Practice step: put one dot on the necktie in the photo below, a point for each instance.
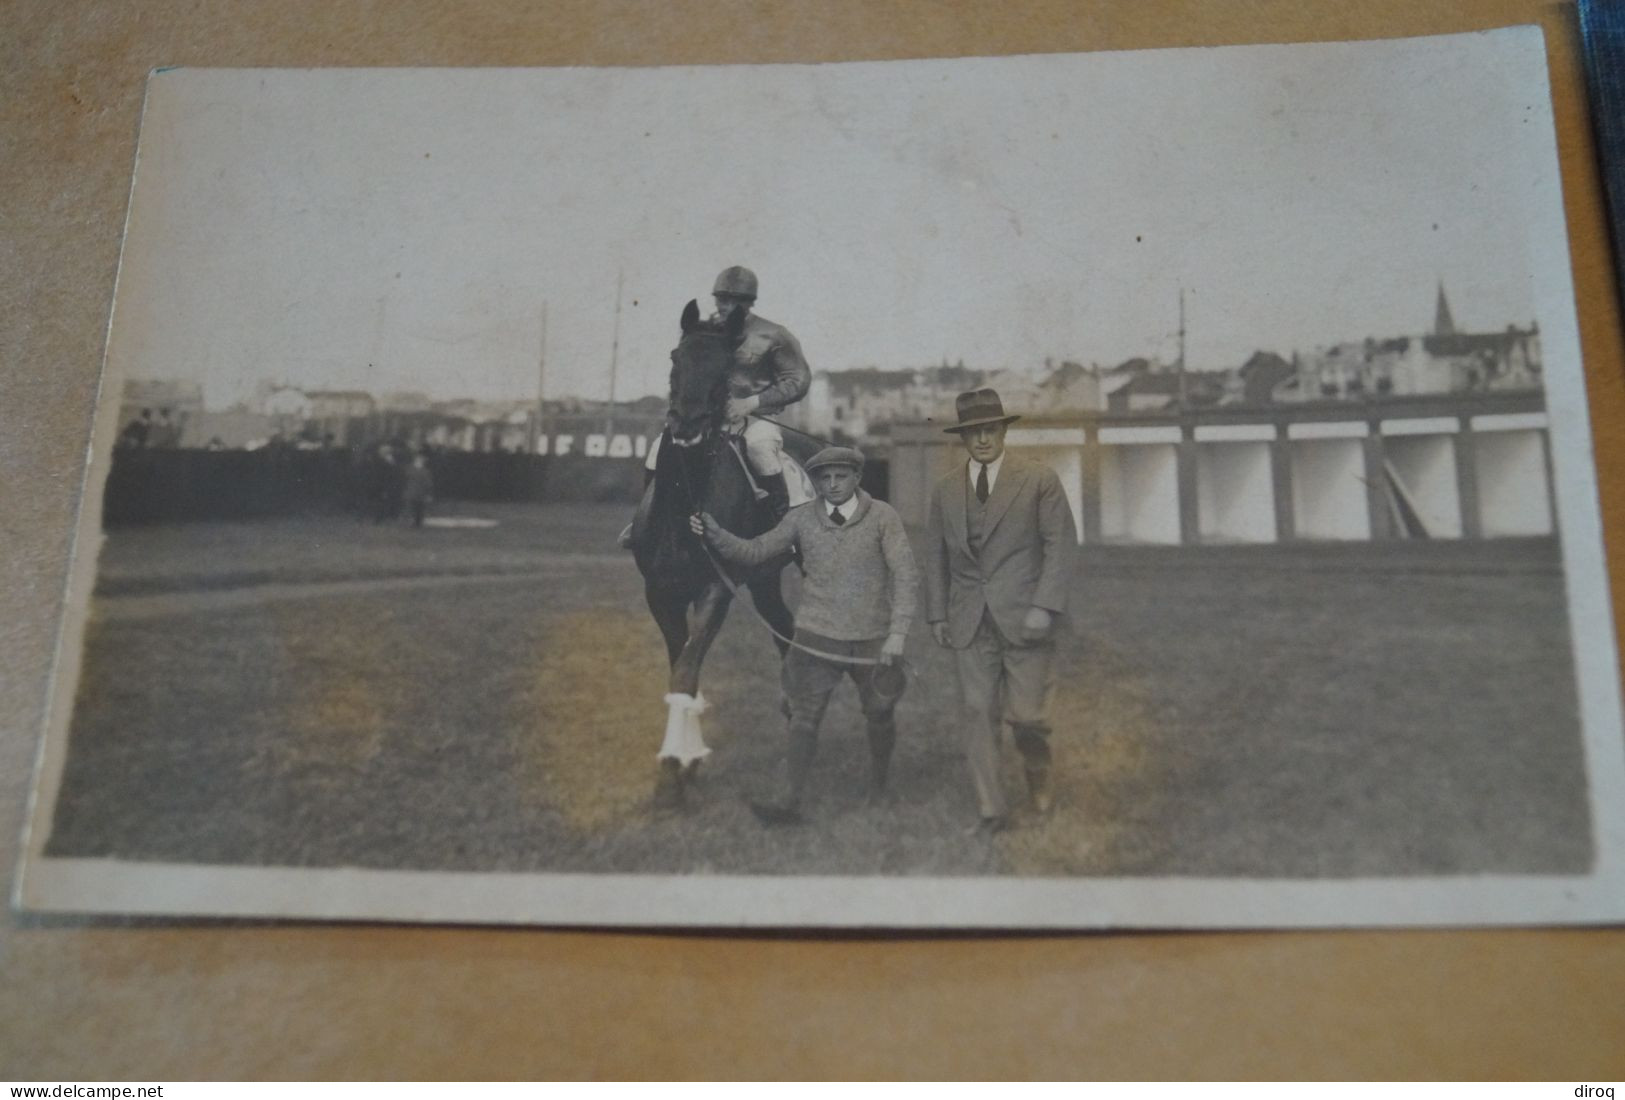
(836, 518)
(981, 484)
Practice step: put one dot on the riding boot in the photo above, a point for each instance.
(786, 809)
(778, 504)
(882, 740)
(778, 494)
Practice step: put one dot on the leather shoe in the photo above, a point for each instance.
(1038, 786)
(989, 826)
(770, 813)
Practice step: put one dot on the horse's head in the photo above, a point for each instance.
(699, 373)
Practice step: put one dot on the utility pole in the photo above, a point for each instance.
(541, 386)
(1180, 364)
(614, 356)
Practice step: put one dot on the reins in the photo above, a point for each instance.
(798, 431)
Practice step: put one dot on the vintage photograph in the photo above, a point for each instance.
(1143, 489)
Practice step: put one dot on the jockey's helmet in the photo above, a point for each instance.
(736, 280)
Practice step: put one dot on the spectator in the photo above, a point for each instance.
(388, 485)
(419, 488)
(166, 433)
(138, 432)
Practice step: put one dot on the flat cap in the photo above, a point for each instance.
(836, 456)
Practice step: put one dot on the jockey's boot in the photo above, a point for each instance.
(778, 494)
(778, 505)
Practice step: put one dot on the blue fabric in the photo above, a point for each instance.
(1602, 27)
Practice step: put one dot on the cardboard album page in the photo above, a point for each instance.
(1116, 490)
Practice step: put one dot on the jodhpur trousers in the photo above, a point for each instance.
(808, 682)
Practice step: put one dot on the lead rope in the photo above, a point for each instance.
(733, 588)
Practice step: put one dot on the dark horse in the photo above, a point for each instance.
(700, 468)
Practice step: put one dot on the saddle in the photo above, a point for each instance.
(796, 482)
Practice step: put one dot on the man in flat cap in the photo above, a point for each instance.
(857, 602)
(1001, 555)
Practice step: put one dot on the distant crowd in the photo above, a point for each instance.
(147, 430)
(382, 482)
(395, 483)
(165, 431)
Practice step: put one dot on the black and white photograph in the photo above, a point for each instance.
(1146, 489)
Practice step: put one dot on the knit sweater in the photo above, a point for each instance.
(861, 576)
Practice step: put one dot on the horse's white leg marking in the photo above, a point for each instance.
(684, 741)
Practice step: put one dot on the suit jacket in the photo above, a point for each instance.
(1028, 555)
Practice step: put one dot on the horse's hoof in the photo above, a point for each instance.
(777, 813)
(669, 787)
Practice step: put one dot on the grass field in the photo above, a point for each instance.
(326, 693)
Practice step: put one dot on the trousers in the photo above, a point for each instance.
(808, 682)
(1002, 681)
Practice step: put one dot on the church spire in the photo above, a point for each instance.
(1443, 323)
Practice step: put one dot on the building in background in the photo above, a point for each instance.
(861, 404)
(1444, 360)
(855, 405)
(1148, 385)
(332, 412)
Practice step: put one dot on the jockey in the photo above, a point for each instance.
(769, 374)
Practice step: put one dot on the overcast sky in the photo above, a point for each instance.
(401, 230)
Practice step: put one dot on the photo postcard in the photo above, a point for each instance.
(1142, 490)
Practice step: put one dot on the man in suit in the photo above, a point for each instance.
(1001, 553)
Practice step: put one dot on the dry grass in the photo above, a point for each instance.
(1102, 769)
(590, 744)
(1287, 712)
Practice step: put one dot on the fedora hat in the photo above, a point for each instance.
(979, 407)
